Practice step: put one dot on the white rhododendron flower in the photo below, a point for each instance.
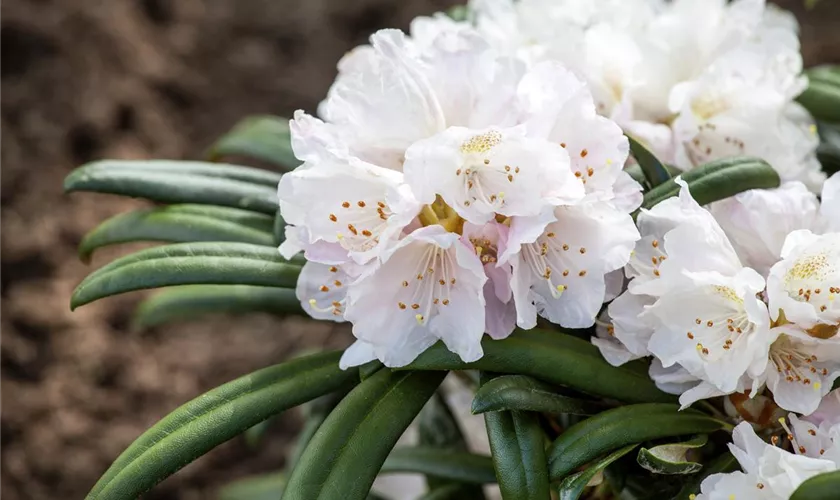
(769, 472)
(694, 306)
(448, 192)
(695, 80)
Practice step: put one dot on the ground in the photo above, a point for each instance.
(83, 80)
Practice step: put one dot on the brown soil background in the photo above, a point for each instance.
(88, 79)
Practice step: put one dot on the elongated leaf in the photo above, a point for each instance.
(612, 429)
(724, 463)
(518, 392)
(262, 487)
(821, 487)
(248, 175)
(653, 170)
(180, 182)
(180, 224)
(671, 458)
(279, 229)
(211, 419)
(315, 412)
(572, 487)
(718, 180)
(828, 152)
(554, 357)
(188, 264)
(265, 138)
(822, 97)
(348, 450)
(445, 464)
(518, 451)
(189, 302)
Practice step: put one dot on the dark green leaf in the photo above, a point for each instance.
(457, 466)
(349, 449)
(612, 429)
(724, 463)
(572, 487)
(653, 170)
(369, 368)
(265, 138)
(214, 417)
(188, 264)
(180, 182)
(828, 151)
(718, 180)
(189, 302)
(316, 412)
(262, 487)
(822, 97)
(671, 458)
(554, 357)
(180, 224)
(824, 486)
(519, 392)
(518, 451)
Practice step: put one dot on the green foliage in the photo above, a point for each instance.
(214, 417)
(180, 182)
(188, 264)
(671, 458)
(821, 487)
(265, 138)
(718, 180)
(822, 97)
(349, 448)
(187, 302)
(553, 357)
(572, 487)
(180, 224)
(723, 463)
(613, 429)
(517, 444)
(519, 392)
(458, 466)
(654, 172)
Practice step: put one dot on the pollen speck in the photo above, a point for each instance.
(325, 288)
(401, 305)
(346, 204)
(333, 218)
(584, 153)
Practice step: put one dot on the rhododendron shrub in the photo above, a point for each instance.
(615, 223)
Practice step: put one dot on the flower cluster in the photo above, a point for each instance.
(736, 297)
(451, 191)
(770, 471)
(695, 80)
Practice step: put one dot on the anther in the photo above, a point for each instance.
(361, 204)
(346, 204)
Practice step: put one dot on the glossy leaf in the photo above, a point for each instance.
(216, 416)
(265, 138)
(572, 487)
(822, 97)
(180, 224)
(457, 466)
(821, 487)
(518, 451)
(671, 458)
(189, 302)
(553, 357)
(188, 264)
(350, 447)
(718, 180)
(655, 173)
(180, 182)
(519, 392)
(723, 463)
(612, 429)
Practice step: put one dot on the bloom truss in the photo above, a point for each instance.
(450, 191)
(469, 178)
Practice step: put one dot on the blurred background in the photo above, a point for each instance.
(90, 79)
